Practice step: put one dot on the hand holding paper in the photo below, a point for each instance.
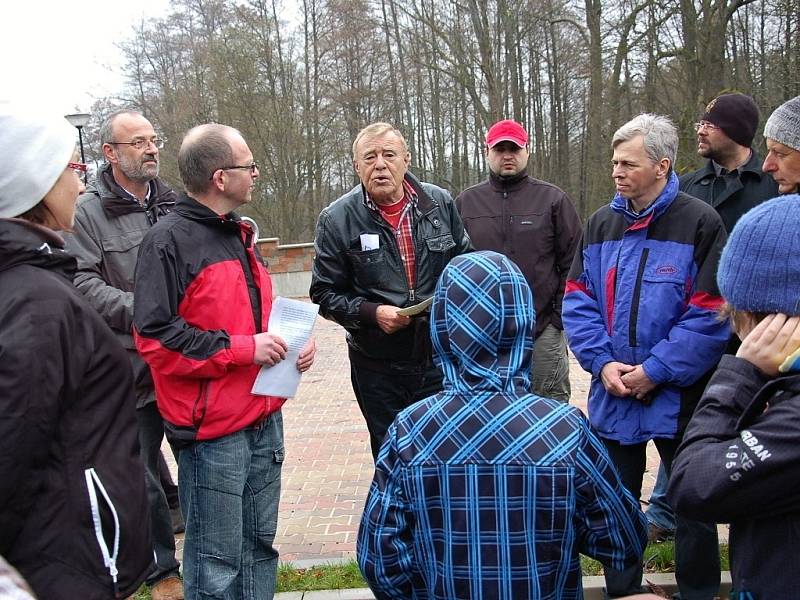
(270, 349)
(290, 322)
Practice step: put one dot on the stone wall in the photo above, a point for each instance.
(289, 265)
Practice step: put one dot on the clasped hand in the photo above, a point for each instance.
(621, 379)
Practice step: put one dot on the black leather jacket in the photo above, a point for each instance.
(349, 284)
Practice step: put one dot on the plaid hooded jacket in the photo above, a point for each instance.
(485, 490)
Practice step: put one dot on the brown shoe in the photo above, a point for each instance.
(170, 588)
(658, 534)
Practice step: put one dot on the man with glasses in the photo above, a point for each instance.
(126, 198)
(203, 300)
(731, 180)
(783, 142)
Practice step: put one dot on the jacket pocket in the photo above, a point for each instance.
(439, 254)
(121, 252)
(98, 494)
(369, 267)
(662, 302)
(441, 243)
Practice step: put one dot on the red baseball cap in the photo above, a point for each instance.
(507, 131)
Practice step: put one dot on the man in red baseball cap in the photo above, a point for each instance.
(535, 224)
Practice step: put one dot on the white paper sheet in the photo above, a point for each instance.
(370, 241)
(292, 320)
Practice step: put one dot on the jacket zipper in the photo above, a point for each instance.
(94, 485)
(637, 292)
(202, 394)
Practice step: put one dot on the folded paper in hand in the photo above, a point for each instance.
(417, 309)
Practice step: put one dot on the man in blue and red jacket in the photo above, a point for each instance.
(203, 300)
(640, 312)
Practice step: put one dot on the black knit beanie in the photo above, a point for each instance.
(736, 115)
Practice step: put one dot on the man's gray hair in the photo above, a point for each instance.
(377, 129)
(205, 149)
(659, 134)
(107, 126)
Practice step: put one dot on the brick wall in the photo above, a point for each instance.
(287, 258)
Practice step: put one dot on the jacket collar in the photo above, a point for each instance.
(655, 210)
(190, 208)
(770, 393)
(117, 202)
(507, 183)
(753, 165)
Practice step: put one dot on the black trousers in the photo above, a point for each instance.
(151, 432)
(697, 566)
(385, 391)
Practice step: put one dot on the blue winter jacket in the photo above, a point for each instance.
(643, 291)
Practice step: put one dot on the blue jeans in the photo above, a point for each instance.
(659, 512)
(229, 491)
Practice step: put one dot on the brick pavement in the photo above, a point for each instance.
(328, 465)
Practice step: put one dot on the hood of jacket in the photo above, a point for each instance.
(23, 242)
(482, 324)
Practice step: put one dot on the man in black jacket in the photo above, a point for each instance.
(732, 180)
(535, 224)
(380, 248)
(112, 217)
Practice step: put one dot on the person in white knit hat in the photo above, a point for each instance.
(782, 131)
(72, 495)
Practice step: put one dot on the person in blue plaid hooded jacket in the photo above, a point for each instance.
(485, 490)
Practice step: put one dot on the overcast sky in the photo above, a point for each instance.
(59, 55)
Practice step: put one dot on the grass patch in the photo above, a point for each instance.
(320, 577)
(658, 558)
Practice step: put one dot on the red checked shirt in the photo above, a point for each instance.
(398, 216)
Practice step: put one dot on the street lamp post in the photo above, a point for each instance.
(79, 121)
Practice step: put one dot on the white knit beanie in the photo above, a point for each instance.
(783, 125)
(34, 151)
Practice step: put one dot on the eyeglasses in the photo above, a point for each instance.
(253, 167)
(141, 144)
(79, 168)
(705, 125)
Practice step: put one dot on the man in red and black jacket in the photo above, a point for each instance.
(203, 299)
